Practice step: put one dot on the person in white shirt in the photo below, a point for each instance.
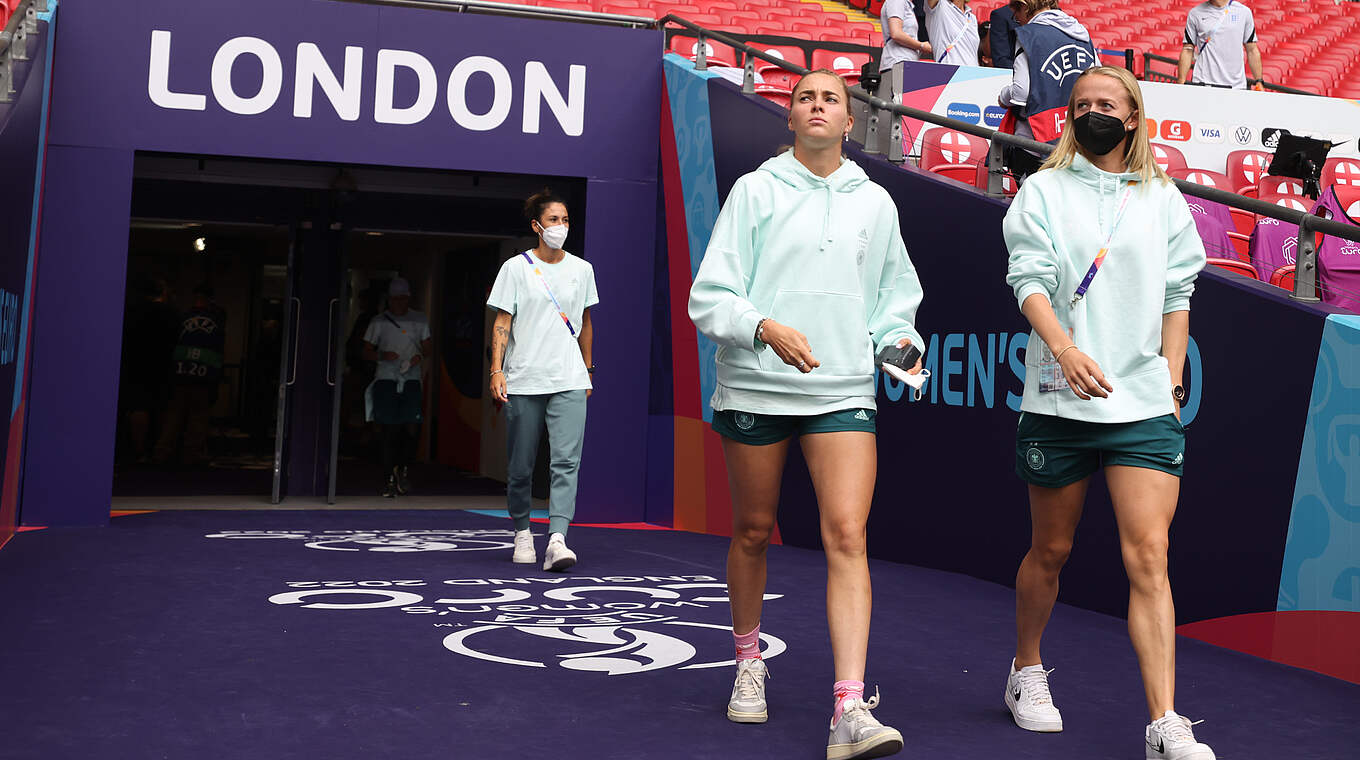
(900, 35)
(1216, 32)
(399, 341)
(541, 370)
(954, 31)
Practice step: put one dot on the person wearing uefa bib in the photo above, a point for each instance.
(540, 370)
(1051, 49)
(953, 32)
(398, 340)
(1103, 260)
(804, 280)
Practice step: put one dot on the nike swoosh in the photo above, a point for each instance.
(1017, 695)
(1160, 748)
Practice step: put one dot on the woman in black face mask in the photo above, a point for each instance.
(1103, 259)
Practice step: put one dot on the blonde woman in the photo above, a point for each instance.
(805, 279)
(1103, 259)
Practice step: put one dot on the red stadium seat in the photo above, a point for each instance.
(718, 54)
(1246, 167)
(771, 73)
(1288, 200)
(1233, 265)
(1203, 177)
(1284, 277)
(1341, 171)
(1279, 185)
(1167, 157)
(1244, 221)
(947, 147)
(1241, 244)
(1349, 197)
(775, 93)
(1008, 185)
(839, 61)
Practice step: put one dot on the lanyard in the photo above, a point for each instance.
(548, 288)
(1210, 35)
(1104, 249)
(957, 39)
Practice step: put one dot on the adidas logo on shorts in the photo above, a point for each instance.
(862, 415)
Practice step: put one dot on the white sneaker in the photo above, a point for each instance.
(1029, 700)
(1170, 738)
(524, 548)
(557, 556)
(747, 704)
(858, 734)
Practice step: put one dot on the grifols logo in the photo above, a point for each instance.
(615, 625)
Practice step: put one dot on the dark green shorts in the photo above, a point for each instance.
(765, 429)
(1053, 452)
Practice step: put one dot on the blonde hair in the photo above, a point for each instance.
(1138, 146)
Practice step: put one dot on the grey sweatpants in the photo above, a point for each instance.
(565, 413)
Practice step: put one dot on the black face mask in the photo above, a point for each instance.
(1099, 133)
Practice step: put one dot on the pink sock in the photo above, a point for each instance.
(845, 690)
(748, 644)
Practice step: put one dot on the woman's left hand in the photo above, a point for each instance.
(903, 344)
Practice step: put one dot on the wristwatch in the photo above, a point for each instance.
(1178, 393)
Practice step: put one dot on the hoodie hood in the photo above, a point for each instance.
(1063, 23)
(1097, 177)
(791, 172)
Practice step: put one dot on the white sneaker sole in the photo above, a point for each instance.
(1202, 755)
(887, 743)
(559, 564)
(525, 559)
(1030, 724)
(745, 717)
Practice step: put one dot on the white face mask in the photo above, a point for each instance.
(916, 381)
(554, 236)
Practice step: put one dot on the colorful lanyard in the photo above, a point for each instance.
(1104, 249)
(958, 39)
(548, 288)
(1210, 35)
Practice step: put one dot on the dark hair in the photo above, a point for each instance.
(536, 203)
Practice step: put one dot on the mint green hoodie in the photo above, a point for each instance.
(823, 256)
(1054, 229)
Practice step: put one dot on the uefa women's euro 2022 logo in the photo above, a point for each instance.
(397, 541)
(616, 625)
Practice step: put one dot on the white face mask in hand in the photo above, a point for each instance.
(554, 236)
(916, 381)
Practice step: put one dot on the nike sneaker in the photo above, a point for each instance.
(1170, 738)
(858, 734)
(747, 704)
(1029, 700)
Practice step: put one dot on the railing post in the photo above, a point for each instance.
(6, 78)
(996, 169)
(1305, 265)
(701, 54)
(748, 80)
(1128, 60)
(18, 43)
(897, 150)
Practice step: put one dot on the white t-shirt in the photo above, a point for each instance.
(542, 356)
(946, 24)
(1218, 35)
(894, 52)
(402, 336)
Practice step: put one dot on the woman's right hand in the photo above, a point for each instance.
(1084, 375)
(790, 345)
(498, 390)
(390, 356)
(925, 49)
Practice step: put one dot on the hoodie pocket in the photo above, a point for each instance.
(835, 326)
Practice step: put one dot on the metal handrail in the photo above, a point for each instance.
(14, 43)
(514, 9)
(1163, 77)
(1306, 271)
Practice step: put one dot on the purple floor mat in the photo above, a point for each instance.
(201, 635)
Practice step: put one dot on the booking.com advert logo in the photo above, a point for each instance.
(965, 112)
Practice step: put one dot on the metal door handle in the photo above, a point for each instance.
(297, 329)
(330, 352)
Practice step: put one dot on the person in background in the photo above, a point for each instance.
(1103, 261)
(150, 332)
(985, 46)
(542, 369)
(954, 31)
(1216, 31)
(901, 40)
(398, 340)
(196, 372)
(1001, 34)
(1041, 79)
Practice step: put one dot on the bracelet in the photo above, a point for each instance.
(760, 329)
(590, 370)
(1065, 350)
(495, 372)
